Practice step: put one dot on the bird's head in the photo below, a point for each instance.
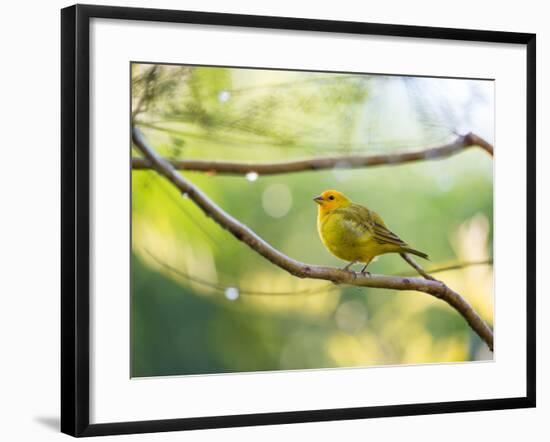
(332, 199)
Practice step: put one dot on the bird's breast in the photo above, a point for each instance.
(341, 237)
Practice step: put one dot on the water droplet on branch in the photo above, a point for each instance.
(232, 293)
(251, 176)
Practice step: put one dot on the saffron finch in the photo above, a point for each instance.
(355, 233)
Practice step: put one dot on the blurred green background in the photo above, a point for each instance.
(203, 302)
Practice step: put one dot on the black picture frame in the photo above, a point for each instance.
(75, 212)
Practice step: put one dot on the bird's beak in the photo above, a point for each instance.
(318, 199)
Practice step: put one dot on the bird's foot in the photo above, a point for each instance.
(364, 271)
(346, 268)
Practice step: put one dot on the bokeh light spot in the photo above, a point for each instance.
(224, 96)
(277, 200)
(351, 316)
(232, 293)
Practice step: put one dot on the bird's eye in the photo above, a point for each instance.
(331, 197)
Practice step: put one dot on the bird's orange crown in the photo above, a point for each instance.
(330, 200)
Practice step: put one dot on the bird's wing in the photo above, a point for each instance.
(380, 232)
(359, 220)
(352, 222)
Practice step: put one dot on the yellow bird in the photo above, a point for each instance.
(355, 233)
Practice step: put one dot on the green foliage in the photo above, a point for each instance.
(174, 332)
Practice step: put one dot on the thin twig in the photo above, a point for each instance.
(242, 291)
(461, 265)
(245, 234)
(416, 266)
(342, 162)
(146, 95)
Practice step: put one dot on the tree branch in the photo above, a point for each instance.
(325, 288)
(342, 162)
(302, 270)
(476, 140)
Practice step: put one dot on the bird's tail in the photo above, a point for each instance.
(416, 252)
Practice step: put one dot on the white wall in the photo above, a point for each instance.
(29, 237)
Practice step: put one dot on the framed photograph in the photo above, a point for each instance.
(274, 220)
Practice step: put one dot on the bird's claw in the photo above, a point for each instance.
(347, 267)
